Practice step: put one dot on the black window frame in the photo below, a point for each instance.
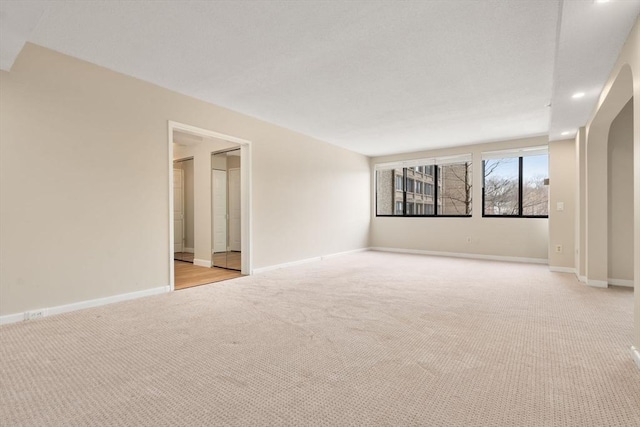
(520, 192)
(435, 186)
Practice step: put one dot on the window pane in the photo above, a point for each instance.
(535, 195)
(421, 201)
(428, 189)
(399, 180)
(389, 192)
(456, 189)
(410, 184)
(501, 186)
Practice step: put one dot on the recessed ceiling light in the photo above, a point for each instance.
(577, 95)
(565, 133)
(602, 1)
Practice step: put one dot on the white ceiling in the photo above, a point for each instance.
(376, 77)
(590, 41)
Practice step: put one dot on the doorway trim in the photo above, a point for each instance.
(245, 197)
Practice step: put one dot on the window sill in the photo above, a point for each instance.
(424, 216)
(515, 216)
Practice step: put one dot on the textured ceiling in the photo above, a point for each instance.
(376, 77)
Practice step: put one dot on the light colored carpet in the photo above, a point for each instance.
(369, 339)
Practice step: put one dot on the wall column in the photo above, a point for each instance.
(596, 207)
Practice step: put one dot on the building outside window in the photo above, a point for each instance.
(442, 188)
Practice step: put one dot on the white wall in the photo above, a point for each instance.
(620, 194)
(503, 237)
(75, 228)
(562, 189)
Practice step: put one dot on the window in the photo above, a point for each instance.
(441, 187)
(390, 192)
(410, 185)
(514, 185)
(399, 180)
(428, 189)
(410, 209)
(535, 194)
(398, 208)
(455, 192)
(501, 180)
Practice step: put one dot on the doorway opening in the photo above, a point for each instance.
(210, 206)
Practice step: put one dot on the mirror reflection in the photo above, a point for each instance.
(183, 201)
(226, 209)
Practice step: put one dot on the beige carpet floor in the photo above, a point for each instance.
(369, 339)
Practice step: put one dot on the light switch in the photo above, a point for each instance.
(560, 206)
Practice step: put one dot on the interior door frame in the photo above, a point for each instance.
(245, 193)
(182, 244)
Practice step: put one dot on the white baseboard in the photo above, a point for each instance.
(17, 317)
(188, 250)
(353, 251)
(621, 282)
(304, 261)
(597, 283)
(202, 262)
(12, 318)
(582, 279)
(463, 255)
(562, 269)
(635, 353)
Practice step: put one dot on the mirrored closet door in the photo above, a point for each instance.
(226, 210)
(183, 201)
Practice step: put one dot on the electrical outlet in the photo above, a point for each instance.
(559, 248)
(34, 314)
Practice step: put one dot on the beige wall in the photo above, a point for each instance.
(623, 83)
(620, 181)
(69, 232)
(562, 189)
(505, 237)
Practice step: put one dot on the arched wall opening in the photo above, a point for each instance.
(596, 239)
